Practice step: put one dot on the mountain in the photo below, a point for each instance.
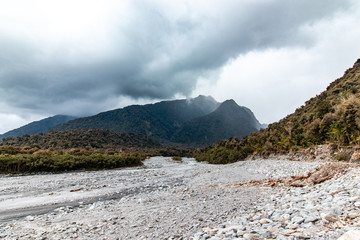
(81, 138)
(202, 117)
(38, 126)
(331, 117)
(159, 120)
(228, 120)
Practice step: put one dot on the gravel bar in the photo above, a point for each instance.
(166, 199)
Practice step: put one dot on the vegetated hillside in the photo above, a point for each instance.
(81, 138)
(229, 119)
(331, 117)
(40, 126)
(159, 120)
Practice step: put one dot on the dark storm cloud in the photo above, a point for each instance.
(153, 56)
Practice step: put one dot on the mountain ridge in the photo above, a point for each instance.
(40, 126)
(186, 122)
(163, 119)
(156, 120)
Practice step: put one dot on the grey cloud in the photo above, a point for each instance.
(154, 57)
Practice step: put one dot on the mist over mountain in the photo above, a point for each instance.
(228, 120)
(40, 126)
(157, 120)
(190, 122)
(197, 121)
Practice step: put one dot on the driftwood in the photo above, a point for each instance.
(76, 190)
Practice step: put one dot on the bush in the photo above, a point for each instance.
(177, 158)
(54, 162)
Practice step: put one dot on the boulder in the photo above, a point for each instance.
(355, 156)
(351, 235)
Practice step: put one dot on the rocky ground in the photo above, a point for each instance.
(188, 200)
(323, 211)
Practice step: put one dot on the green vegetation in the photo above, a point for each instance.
(81, 138)
(15, 159)
(225, 151)
(177, 158)
(331, 117)
(26, 160)
(79, 149)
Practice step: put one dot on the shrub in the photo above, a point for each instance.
(26, 163)
(177, 158)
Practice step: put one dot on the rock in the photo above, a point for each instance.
(30, 218)
(230, 235)
(242, 228)
(284, 213)
(287, 231)
(311, 219)
(353, 215)
(298, 220)
(331, 218)
(251, 236)
(351, 235)
(355, 157)
(292, 226)
(267, 235)
(353, 199)
(264, 221)
(285, 217)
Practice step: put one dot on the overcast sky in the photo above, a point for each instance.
(81, 57)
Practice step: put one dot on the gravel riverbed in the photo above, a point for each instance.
(165, 199)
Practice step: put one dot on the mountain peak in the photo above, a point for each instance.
(203, 98)
(228, 106)
(228, 120)
(230, 102)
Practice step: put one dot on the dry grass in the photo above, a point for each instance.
(319, 175)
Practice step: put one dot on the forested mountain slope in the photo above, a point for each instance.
(194, 122)
(159, 120)
(229, 119)
(81, 138)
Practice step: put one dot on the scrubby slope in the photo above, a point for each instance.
(331, 117)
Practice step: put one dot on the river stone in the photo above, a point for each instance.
(331, 218)
(298, 220)
(311, 219)
(355, 157)
(351, 235)
(354, 215)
